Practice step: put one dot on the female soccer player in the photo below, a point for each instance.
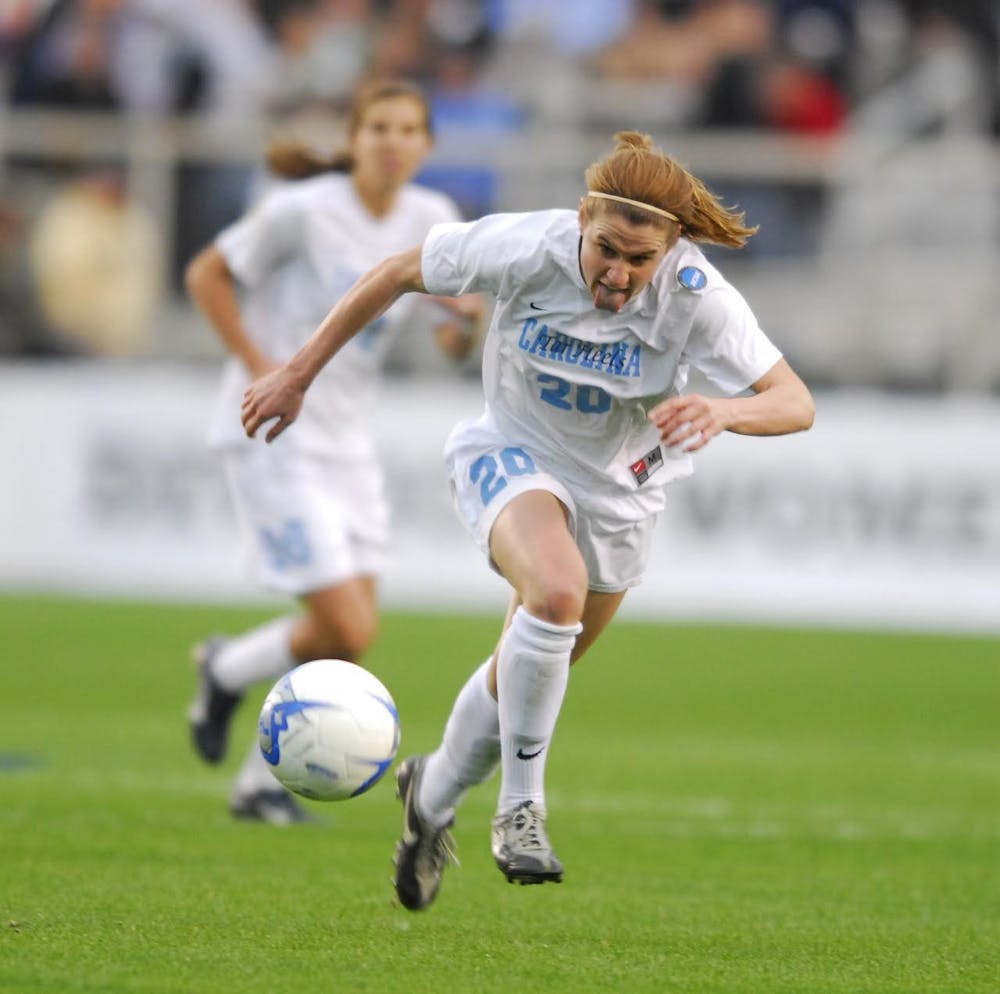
(600, 312)
(312, 508)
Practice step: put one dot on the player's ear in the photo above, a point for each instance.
(581, 211)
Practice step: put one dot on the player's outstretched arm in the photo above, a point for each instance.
(781, 404)
(278, 396)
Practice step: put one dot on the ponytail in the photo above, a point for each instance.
(638, 171)
(291, 159)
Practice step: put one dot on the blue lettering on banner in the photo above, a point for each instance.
(611, 359)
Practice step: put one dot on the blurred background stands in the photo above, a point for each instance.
(861, 136)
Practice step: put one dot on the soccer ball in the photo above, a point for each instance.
(329, 730)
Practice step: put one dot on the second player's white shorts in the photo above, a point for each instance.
(487, 472)
(307, 522)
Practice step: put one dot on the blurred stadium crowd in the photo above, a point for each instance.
(862, 135)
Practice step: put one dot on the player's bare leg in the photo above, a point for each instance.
(534, 550)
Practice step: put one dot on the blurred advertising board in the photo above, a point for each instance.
(886, 514)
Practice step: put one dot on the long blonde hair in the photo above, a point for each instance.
(637, 170)
(296, 159)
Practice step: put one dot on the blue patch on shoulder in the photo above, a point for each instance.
(692, 278)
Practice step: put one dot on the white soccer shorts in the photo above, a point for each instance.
(307, 522)
(487, 472)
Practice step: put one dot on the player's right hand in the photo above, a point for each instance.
(276, 395)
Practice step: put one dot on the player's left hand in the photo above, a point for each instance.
(276, 395)
(689, 422)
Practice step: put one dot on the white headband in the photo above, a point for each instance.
(634, 203)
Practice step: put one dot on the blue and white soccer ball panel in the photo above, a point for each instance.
(329, 730)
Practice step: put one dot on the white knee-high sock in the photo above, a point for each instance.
(469, 750)
(532, 673)
(254, 775)
(261, 654)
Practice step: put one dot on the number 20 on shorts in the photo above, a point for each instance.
(492, 478)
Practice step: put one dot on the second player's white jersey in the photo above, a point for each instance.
(573, 382)
(294, 256)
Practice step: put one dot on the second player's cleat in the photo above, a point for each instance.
(275, 807)
(522, 849)
(212, 708)
(424, 850)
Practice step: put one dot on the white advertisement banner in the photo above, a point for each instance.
(886, 514)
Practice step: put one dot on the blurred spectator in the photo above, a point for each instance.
(22, 330)
(795, 82)
(469, 111)
(402, 38)
(687, 41)
(242, 64)
(924, 67)
(465, 104)
(225, 40)
(96, 258)
(793, 96)
(942, 84)
(104, 55)
(932, 59)
(65, 58)
(323, 48)
(737, 63)
(567, 26)
(820, 34)
(16, 20)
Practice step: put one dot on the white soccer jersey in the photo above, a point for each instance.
(295, 255)
(573, 383)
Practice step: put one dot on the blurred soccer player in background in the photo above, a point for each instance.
(312, 509)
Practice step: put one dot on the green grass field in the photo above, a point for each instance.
(739, 810)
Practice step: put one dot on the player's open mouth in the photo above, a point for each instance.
(609, 298)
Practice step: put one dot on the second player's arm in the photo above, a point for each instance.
(210, 285)
(279, 394)
(457, 336)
